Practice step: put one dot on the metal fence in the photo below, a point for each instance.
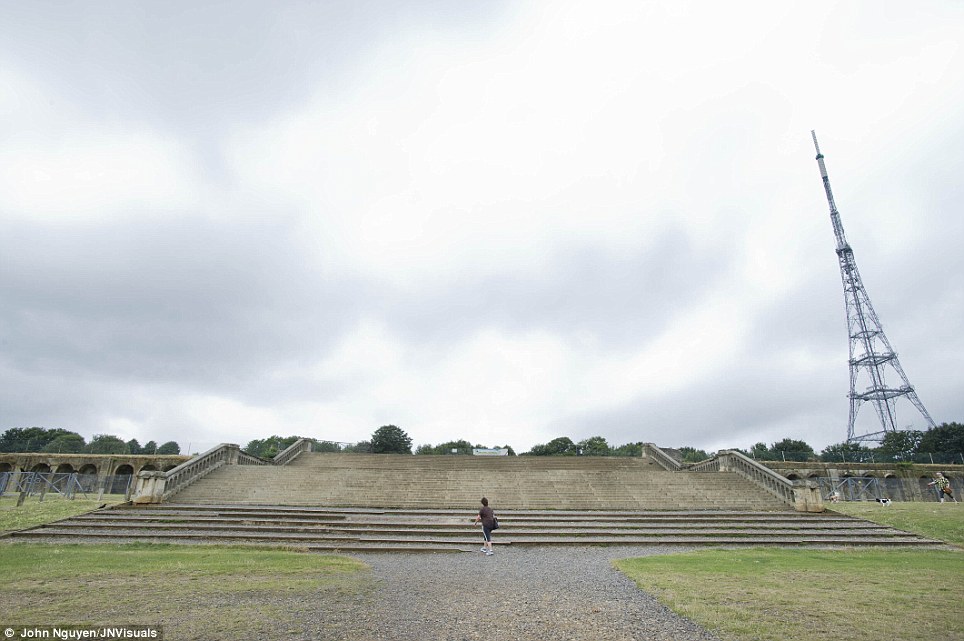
(868, 456)
(44, 484)
(854, 488)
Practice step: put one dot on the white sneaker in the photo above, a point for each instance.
(488, 553)
(482, 549)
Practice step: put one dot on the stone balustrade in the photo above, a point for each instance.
(289, 453)
(803, 495)
(155, 487)
(666, 461)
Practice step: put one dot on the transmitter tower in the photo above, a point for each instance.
(872, 359)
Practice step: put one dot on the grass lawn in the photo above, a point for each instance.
(769, 594)
(942, 521)
(35, 512)
(202, 592)
(809, 595)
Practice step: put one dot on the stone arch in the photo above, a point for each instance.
(926, 492)
(148, 468)
(893, 488)
(87, 476)
(955, 484)
(813, 475)
(61, 480)
(168, 468)
(792, 477)
(122, 478)
(5, 467)
(43, 468)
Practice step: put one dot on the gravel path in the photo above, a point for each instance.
(517, 594)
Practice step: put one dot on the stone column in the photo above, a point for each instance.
(806, 497)
(149, 487)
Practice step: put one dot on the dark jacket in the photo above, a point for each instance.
(488, 517)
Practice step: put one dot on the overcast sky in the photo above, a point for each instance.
(498, 221)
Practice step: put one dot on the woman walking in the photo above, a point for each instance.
(489, 523)
(943, 486)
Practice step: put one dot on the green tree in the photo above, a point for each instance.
(255, 447)
(149, 448)
(946, 437)
(461, 447)
(270, 447)
(846, 452)
(66, 444)
(629, 449)
(171, 447)
(791, 450)
(562, 446)
(900, 445)
(593, 446)
(760, 451)
(30, 439)
(693, 455)
(134, 446)
(391, 439)
(361, 447)
(107, 444)
(326, 446)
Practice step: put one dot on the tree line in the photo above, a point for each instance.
(946, 441)
(387, 439)
(598, 446)
(391, 439)
(60, 441)
(907, 445)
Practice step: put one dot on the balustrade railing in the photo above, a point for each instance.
(160, 486)
(662, 458)
(289, 453)
(733, 461)
(197, 468)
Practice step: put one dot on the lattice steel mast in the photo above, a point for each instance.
(870, 352)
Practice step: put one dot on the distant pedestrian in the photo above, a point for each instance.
(489, 523)
(943, 486)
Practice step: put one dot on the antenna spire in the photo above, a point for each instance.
(871, 355)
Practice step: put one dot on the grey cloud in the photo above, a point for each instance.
(734, 405)
(112, 317)
(190, 63)
(620, 301)
(181, 299)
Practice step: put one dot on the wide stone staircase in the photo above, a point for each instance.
(520, 483)
(441, 530)
(345, 502)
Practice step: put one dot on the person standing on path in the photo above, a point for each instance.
(487, 516)
(943, 486)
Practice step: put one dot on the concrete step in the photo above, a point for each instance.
(514, 482)
(451, 530)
